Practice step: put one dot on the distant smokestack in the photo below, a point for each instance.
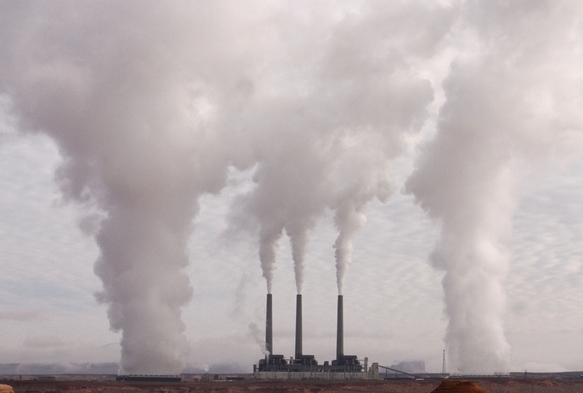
(269, 326)
(298, 326)
(340, 330)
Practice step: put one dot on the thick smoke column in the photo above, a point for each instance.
(137, 113)
(509, 98)
(267, 249)
(367, 180)
(151, 102)
(281, 201)
(338, 120)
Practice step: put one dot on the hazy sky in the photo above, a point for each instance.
(151, 152)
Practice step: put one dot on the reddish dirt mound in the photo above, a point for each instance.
(6, 389)
(459, 387)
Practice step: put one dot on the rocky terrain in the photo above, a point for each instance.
(398, 386)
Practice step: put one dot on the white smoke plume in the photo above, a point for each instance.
(512, 95)
(151, 102)
(362, 172)
(137, 96)
(258, 336)
(337, 123)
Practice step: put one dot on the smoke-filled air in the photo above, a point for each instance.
(503, 105)
(151, 104)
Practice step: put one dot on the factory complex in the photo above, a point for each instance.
(302, 366)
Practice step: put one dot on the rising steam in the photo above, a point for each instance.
(125, 91)
(258, 337)
(152, 102)
(503, 105)
(329, 144)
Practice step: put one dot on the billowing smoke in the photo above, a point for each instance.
(151, 103)
(138, 97)
(330, 132)
(512, 95)
(288, 196)
(362, 173)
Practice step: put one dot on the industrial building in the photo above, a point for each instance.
(303, 366)
(148, 378)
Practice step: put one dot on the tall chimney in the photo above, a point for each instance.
(298, 326)
(340, 330)
(269, 326)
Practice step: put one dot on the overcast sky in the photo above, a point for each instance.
(432, 120)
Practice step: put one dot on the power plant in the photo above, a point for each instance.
(302, 366)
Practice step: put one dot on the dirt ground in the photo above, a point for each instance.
(400, 386)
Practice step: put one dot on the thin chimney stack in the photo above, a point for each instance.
(299, 326)
(269, 326)
(340, 330)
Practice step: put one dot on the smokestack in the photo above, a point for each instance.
(269, 326)
(298, 326)
(340, 330)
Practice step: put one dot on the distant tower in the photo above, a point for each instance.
(443, 366)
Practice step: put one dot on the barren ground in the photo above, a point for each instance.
(401, 386)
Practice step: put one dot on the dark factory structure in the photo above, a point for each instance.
(301, 363)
